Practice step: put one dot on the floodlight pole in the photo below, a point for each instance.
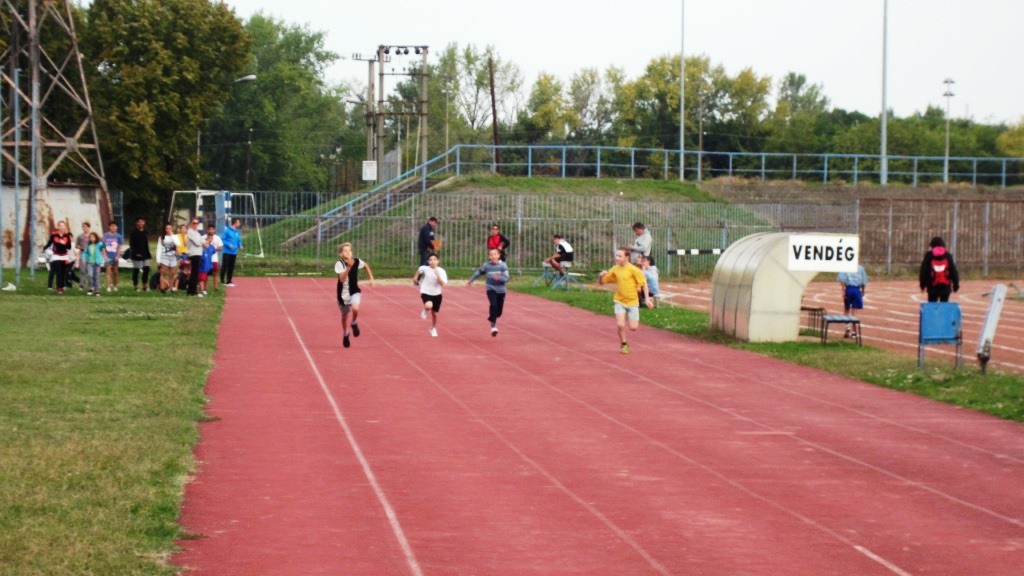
(949, 94)
(883, 175)
(682, 91)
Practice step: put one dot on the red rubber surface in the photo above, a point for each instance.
(543, 451)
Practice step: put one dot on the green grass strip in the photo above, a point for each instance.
(100, 399)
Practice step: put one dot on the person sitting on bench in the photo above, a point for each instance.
(563, 253)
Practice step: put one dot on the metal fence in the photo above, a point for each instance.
(595, 226)
(616, 162)
(291, 229)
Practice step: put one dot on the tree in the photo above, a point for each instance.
(1011, 142)
(794, 124)
(156, 68)
(591, 102)
(278, 132)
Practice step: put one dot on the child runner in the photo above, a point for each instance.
(496, 273)
(431, 279)
(112, 243)
(628, 280)
(347, 268)
(94, 259)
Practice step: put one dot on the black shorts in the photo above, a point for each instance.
(435, 299)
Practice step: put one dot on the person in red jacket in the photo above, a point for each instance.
(498, 241)
(939, 276)
(61, 243)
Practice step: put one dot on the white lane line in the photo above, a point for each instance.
(895, 569)
(710, 367)
(396, 527)
(590, 508)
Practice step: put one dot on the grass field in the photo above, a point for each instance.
(100, 399)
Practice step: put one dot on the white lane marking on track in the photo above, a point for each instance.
(896, 569)
(396, 527)
(713, 367)
(615, 529)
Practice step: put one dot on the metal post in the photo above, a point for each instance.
(1, 185)
(888, 256)
(948, 94)
(16, 91)
(379, 114)
(682, 90)
(424, 110)
(883, 176)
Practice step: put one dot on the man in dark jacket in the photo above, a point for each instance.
(138, 246)
(426, 241)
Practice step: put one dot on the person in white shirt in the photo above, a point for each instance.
(431, 279)
(641, 245)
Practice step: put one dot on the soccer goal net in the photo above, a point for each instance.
(218, 207)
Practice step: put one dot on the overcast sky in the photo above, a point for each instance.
(834, 43)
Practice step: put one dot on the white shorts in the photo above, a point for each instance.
(631, 312)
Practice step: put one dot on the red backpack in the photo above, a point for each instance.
(940, 272)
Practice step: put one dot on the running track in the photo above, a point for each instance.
(544, 451)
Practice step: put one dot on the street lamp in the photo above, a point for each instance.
(949, 94)
(682, 90)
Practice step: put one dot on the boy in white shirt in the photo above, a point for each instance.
(431, 278)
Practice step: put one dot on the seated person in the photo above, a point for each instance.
(184, 272)
(563, 253)
(651, 274)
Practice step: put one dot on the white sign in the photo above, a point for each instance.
(369, 170)
(824, 253)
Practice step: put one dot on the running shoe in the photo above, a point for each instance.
(345, 342)
(494, 331)
(625, 348)
(433, 332)
(355, 330)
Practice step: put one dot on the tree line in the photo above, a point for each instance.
(175, 107)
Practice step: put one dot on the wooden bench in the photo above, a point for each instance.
(828, 320)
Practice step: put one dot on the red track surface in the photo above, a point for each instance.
(544, 451)
(890, 317)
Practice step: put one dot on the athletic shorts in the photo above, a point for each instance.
(435, 299)
(140, 263)
(853, 298)
(111, 260)
(353, 300)
(631, 312)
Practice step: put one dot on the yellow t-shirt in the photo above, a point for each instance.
(628, 279)
(182, 245)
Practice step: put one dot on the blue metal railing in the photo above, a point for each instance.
(622, 162)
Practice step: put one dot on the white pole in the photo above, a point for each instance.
(682, 90)
(883, 176)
